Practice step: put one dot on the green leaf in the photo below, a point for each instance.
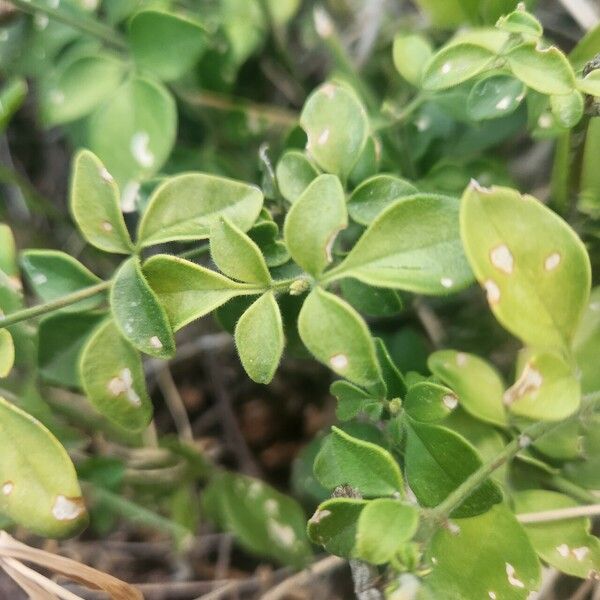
(372, 301)
(454, 64)
(494, 96)
(589, 185)
(259, 339)
(133, 132)
(337, 128)
(138, 313)
(334, 525)
(590, 84)
(61, 338)
(294, 172)
(368, 161)
(53, 274)
(185, 207)
(12, 96)
(314, 221)
(113, 379)
(546, 389)
(411, 52)
(564, 544)
(39, 484)
(7, 352)
(95, 205)
(520, 21)
(391, 376)
(384, 525)
(353, 400)
(166, 44)
(262, 519)
(567, 109)
(338, 337)
(544, 70)
(586, 49)
(488, 556)
(428, 402)
(346, 460)
(478, 384)
(78, 86)
(376, 194)
(188, 291)
(414, 245)
(526, 257)
(237, 255)
(8, 252)
(586, 344)
(437, 461)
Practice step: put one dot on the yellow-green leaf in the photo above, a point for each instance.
(384, 526)
(188, 291)
(313, 223)
(546, 390)
(166, 44)
(346, 460)
(535, 269)
(545, 70)
(7, 352)
(338, 337)
(337, 128)
(237, 255)
(95, 205)
(113, 378)
(455, 64)
(414, 244)
(185, 207)
(259, 338)
(39, 488)
(477, 384)
(138, 312)
(565, 544)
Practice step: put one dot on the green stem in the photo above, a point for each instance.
(42, 309)
(84, 24)
(572, 489)
(441, 512)
(195, 252)
(138, 514)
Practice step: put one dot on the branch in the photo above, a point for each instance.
(560, 514)
(441, 512)
(82, 23)
(42, 309)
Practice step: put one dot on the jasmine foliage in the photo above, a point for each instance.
(346, 243)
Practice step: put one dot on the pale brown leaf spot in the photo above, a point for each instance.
(529, 382)
(492, 291)
(67, 509)
(339, 362)
(502, 258)
(552, 261)
(450, 401)
(319, 516)
(106, 175)
(155, 342)
(7, 488)
(511, 575)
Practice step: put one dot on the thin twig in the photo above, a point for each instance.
(175, 404)
(301, 579)
(233, 433)
(560, 514)
(275, 115)
(82, 23)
